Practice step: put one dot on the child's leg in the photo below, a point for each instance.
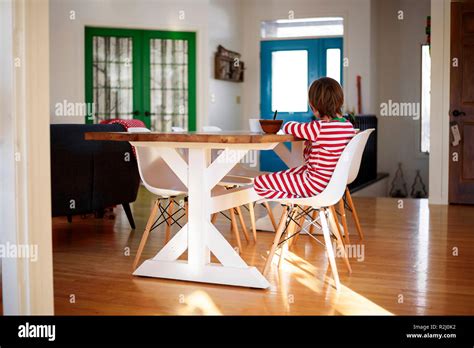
(284, 184)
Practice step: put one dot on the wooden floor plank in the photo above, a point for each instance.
(408, 254)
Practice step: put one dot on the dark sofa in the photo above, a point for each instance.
(89, 176)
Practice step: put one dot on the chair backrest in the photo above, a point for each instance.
(337, 185)
(211, 129)
(155, 173)
(178, 129)
(356, 161)
(138, 130)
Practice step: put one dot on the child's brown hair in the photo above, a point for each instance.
(326, 96)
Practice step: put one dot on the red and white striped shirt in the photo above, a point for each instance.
(325, 141)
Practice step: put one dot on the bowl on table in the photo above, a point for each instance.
(271, 126)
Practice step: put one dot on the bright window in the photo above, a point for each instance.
(425, 97)
(290, 81)
(303, 27)
(333, 63)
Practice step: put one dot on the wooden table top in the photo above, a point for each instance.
(194, 137)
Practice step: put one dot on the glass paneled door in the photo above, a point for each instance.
(141, 74)
(288, 67)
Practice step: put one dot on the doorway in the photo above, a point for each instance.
(461, 115)
(288, 68)
(147, 75)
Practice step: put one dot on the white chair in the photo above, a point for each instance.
(211, 129)
(165, 185)
(346, 200)
(321, 203)
(178, 129)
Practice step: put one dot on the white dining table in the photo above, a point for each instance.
(200, 174)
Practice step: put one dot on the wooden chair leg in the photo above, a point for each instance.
(270, 215)
(300, 228)
(289, 231)
(337, 233)
(242, 224)
(252, 221)
(276, 240)
(354, 213)
(313, 217)
(342, 212)
(149, 224)
(169, 220)
(329, 249)
(235, 229)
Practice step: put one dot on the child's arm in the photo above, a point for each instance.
(307, 130)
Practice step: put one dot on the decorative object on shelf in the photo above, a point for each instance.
(428, 30)
(359, 94)
(352, 119)
(228, 66)
(418, 189)
(399, 186)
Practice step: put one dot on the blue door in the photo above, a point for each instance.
(287, 69)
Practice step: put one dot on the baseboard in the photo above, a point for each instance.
(375, 188)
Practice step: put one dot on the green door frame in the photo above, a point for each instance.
(141, 67)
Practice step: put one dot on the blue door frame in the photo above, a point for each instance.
(317, 64)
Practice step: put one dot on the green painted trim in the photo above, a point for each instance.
(141, 67)
(171, 35)
(192, 88)
(88, 74)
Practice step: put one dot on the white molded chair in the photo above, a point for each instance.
(347, 199)
(166, 185)
(323, 204)
(178, 129)
(211, 129)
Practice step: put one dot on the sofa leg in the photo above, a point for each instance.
(69, 218)
(99, 213)
(128, 212)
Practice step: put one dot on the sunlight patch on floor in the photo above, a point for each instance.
(345, 301)
(198, 303)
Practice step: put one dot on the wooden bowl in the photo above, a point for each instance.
(271, 126)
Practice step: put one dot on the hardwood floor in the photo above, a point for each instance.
(408, 267)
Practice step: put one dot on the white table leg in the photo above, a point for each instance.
(201, 238)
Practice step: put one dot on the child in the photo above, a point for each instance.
(326, 138)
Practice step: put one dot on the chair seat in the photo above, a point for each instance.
(165, 193)
(232, 180)
(246, 172)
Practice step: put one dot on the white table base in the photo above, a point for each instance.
(199, 236)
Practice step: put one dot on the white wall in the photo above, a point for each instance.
(67, 40)
(216, 22)
(25, 183)
(357, 44)
(225, 30)
(398, 78)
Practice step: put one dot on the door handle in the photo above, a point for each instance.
(457, 113)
